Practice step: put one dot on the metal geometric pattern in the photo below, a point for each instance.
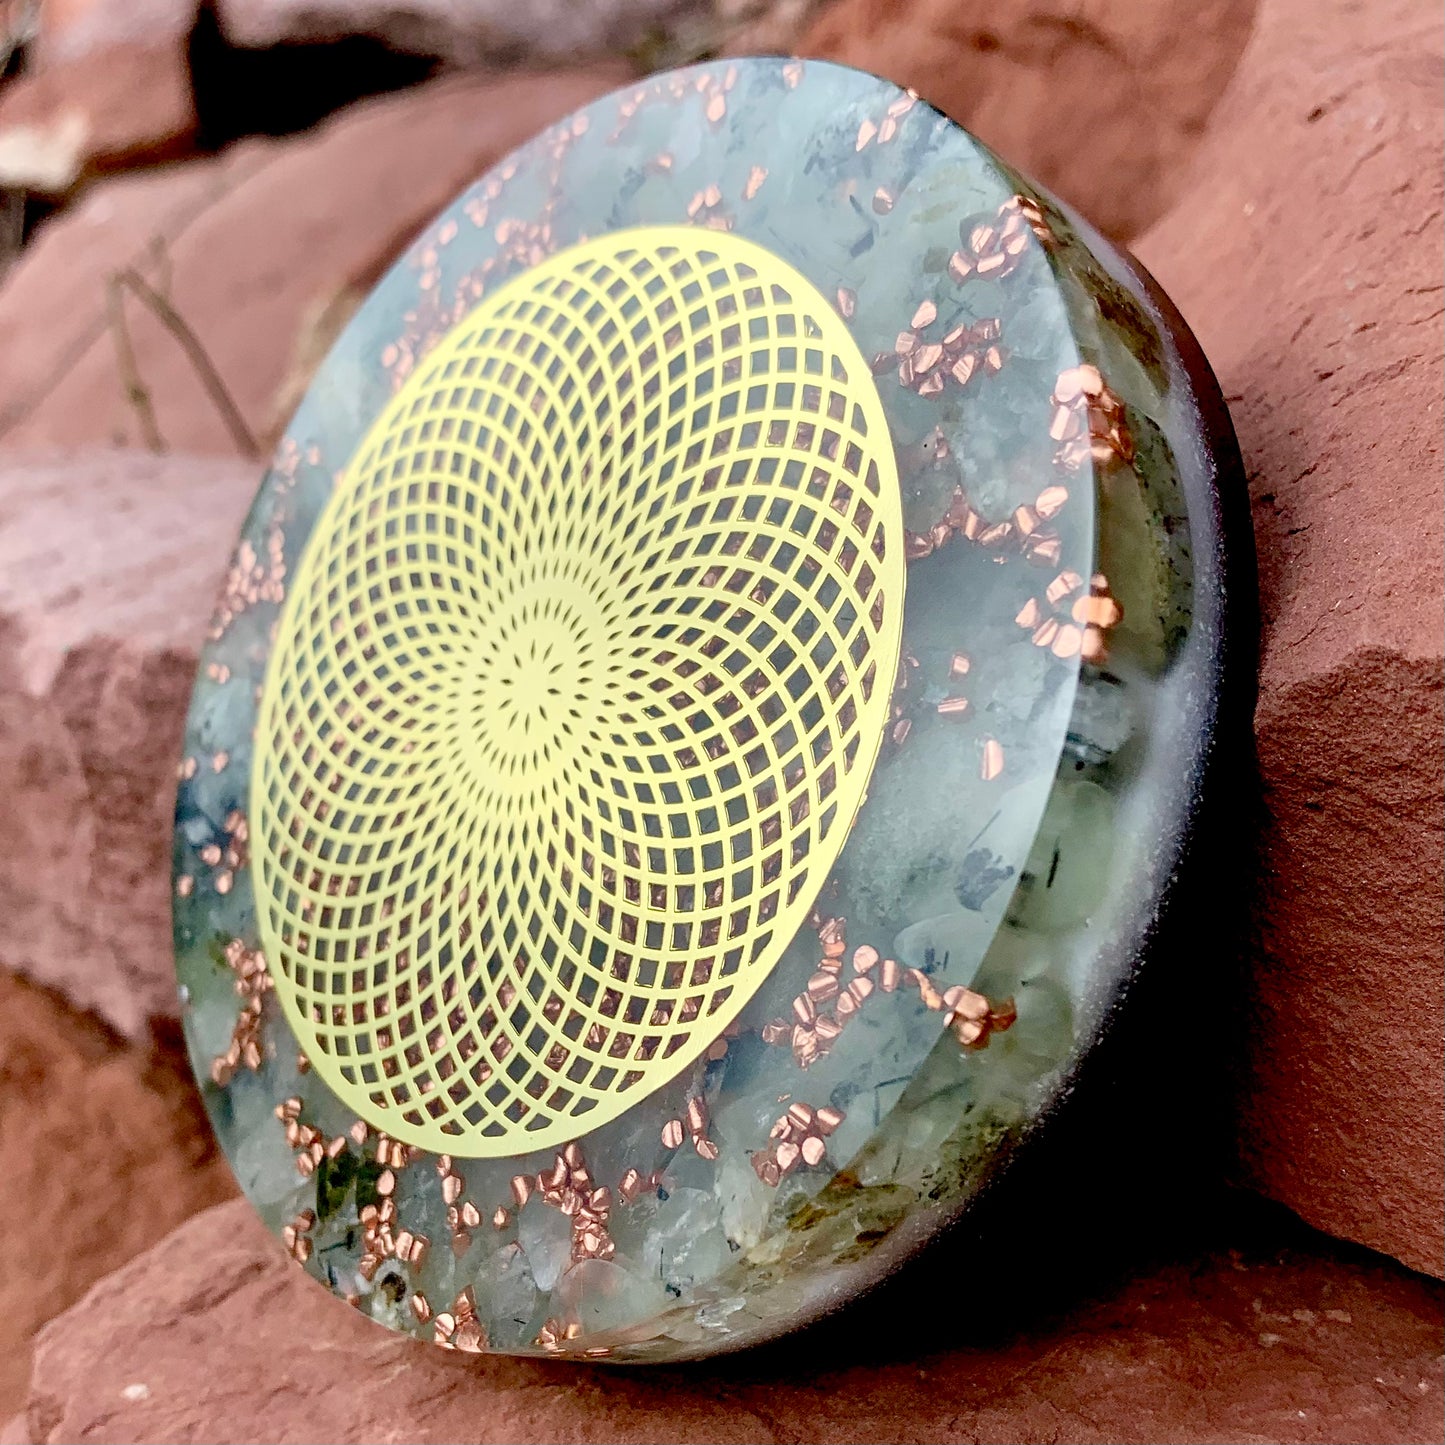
(577, 690)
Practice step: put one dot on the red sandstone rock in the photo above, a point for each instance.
(297, 234)
(70, 28)
(49, 324)
(1307, 256)
(105, 1149)
(466, 32)
(1100, 101)
(108, 569)
(126, 106)
(215, 1335)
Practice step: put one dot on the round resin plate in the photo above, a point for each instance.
(697, 723)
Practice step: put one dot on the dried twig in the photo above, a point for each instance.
(131, 280)
(161, 265)
(136, 392)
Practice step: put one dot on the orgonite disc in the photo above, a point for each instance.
(698, 721)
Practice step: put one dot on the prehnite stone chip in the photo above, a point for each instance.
(697, 721)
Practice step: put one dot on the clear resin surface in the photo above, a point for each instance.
(696, 714)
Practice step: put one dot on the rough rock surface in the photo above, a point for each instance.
(463, 31)
(108, 568)
(123, 107)
(105, 1148)
(1310, 268)
(261, 247)
(1101, 101)
(215, 1335)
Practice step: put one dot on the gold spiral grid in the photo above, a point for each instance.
(577, 691)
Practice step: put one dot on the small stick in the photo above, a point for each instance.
(135, 389)
(205, 368)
